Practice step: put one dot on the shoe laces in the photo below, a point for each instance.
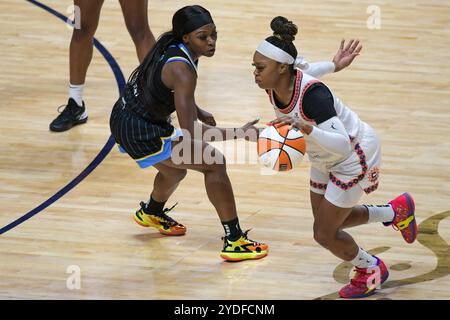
(360, 278)
(59, 108)
(67, 111)
(163, 214)
(245, 235)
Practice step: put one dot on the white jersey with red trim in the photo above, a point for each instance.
(353, 125)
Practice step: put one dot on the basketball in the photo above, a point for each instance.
(281, 148)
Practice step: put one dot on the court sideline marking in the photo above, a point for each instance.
(103, 152)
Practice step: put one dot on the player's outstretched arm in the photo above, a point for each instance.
(343, 58)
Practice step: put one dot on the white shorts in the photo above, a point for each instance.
(344, 183)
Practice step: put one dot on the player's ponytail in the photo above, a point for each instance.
(184, 21)
(143, 75)
(283, 29)
(284, 32)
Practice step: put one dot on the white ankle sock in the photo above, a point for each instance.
(364, 260)
(380, 213)
(76, 93)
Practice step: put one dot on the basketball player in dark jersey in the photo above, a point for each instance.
(81, 48)
(140, 122)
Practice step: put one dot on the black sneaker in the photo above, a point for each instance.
(72, 115)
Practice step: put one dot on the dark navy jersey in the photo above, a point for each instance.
(162, 103)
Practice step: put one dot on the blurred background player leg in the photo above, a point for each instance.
(81, 49)
(136, 20)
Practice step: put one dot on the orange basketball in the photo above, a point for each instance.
(280, 148)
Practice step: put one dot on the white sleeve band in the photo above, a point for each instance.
(332, 136)
(315, 69)
(319, 69)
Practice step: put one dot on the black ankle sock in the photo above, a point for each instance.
(154, 207)
(232, 229)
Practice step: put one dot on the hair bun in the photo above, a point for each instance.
(284, 29)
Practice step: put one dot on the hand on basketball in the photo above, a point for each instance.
(251, 132)
(345, 56)
(293, 122)
(206, 117)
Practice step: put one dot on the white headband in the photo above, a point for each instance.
(273, 52)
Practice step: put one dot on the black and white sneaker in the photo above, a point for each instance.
(72, 115)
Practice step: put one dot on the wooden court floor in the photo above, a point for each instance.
(400, 85)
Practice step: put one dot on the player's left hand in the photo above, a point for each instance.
(345, 56)
(293, 122)
(206, 117)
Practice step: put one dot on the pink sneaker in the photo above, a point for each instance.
(361, 285)
(404, 219)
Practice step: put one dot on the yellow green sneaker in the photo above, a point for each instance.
(161, 221)
(243, 249)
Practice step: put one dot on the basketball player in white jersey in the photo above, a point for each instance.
(344, 151)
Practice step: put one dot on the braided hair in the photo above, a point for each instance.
(284, 32)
